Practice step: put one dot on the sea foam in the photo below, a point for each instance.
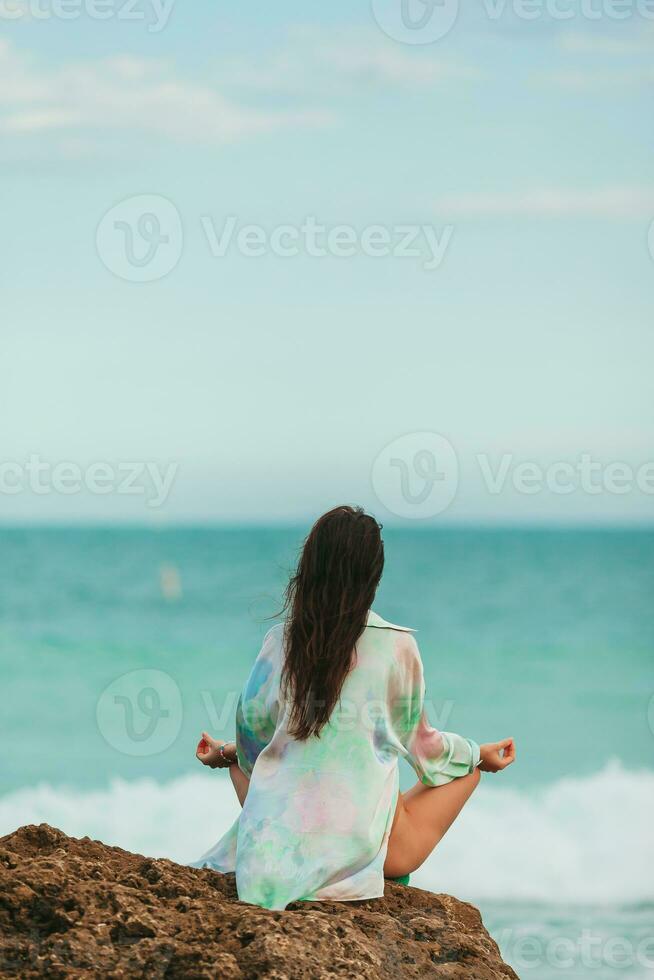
(578, 840)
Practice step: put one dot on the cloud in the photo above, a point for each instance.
(595, 62)
(349, 62)
(142, 95)
(389, 65)
(602, 202)
(593, 44)
(582, 79)
(81, 103)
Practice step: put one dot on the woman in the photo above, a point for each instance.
(334, 699)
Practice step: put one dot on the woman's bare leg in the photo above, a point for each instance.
(423, 816)
(240, 782)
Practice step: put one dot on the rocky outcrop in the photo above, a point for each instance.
(77, 908)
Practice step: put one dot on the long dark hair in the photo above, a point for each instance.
(327, 601)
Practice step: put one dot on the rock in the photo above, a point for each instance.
(77, 908)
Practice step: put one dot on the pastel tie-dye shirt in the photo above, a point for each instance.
(318, 813)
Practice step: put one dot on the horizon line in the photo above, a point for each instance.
(295, 525)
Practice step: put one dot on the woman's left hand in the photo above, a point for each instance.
(209, 752)
(495, 756)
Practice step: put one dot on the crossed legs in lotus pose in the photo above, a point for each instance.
(423, 814)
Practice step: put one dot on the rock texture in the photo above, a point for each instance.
(76, 908)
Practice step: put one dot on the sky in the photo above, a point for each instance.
(262, 259)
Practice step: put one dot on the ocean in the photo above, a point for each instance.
(118, 646)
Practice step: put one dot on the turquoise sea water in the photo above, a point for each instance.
(118, 646)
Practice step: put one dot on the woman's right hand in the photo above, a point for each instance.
(209, 752)
(494, 756)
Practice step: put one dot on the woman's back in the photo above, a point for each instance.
(357, 721)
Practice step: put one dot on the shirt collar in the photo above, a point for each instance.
(378, 623)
